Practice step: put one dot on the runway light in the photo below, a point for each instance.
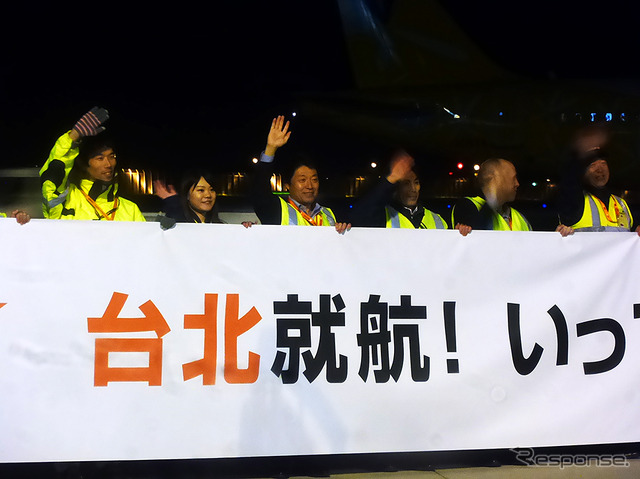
(451, 173)
(460, 166)
(476, 167)
(374, 164)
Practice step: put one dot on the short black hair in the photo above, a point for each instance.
(92, 146)
(291, 164)
(88, 147)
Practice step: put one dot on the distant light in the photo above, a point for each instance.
(500, 114)
(350, 206)
(622, 118)
(293, 113)
(450, 173)
(544, 205)
(476, 167)
(448, 206)
(374, 164)
(548, 180)
(534, 184)
(255, 160)
(460, 166)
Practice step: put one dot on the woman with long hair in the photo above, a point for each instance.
(195, 200)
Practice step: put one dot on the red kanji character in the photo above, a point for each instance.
(111, 323)
(207, 321)
(233, 328)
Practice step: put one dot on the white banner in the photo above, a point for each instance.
(124, 341)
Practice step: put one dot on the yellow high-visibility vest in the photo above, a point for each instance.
(291, 216)
(62, 200)
(430, 220)
(616, 216)
(518, 221)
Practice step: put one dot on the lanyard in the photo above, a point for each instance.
(606, 210)
(107, 216)
(317, 221)
(508, 219)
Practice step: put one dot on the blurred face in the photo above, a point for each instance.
(597, 174)
(409, 190)
(202, 197)
(507, 181)
(102, 167)
(304, 186)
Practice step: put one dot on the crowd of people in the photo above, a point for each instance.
(79, 181)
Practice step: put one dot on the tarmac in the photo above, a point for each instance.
(552, 463)
(501, 472)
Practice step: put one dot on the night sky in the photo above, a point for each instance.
(198, 84)
(555, 39)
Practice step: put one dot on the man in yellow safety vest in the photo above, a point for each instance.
(498, 180)
(586, 200)
(79, 179)
(300, 206)
(395, 201)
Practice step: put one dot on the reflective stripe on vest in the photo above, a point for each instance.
(58, 200)
(595, 219)
(518, 222)
(292, 217)
(430, 220)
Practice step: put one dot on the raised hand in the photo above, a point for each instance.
(163, 190)
(91, 122)
(278, 135)
(401, 164)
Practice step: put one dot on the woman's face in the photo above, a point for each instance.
(202, 197)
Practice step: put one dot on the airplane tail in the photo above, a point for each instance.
(409, 43)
